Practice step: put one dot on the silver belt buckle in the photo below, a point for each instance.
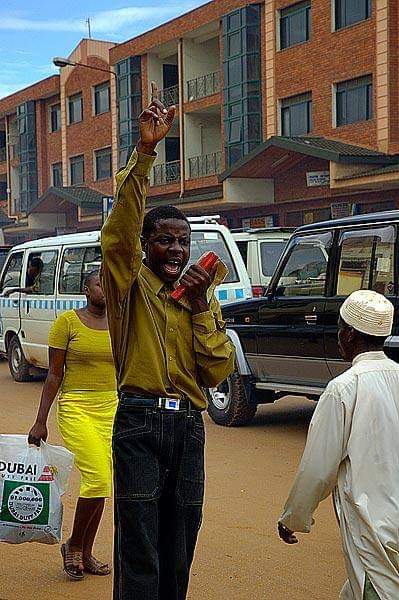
(172, 403)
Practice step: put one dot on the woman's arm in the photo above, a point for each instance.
(50, 389)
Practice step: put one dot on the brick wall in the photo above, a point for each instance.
(94, 132)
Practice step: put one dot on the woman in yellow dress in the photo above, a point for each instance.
(82, 373)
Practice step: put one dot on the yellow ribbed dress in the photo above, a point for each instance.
(87, 400)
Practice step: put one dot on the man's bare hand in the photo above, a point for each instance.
(154, 122)
(286, 534)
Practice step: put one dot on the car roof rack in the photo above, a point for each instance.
(204, 219)
(263, 229)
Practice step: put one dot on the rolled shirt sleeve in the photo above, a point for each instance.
(215, 352)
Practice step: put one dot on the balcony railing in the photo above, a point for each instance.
(3, 154)
(202, 86)
(169, 95)
(167, 173)
(207, 164)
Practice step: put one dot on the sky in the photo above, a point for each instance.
(32, 33)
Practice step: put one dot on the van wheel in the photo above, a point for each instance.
(229, 403)
(18, 365)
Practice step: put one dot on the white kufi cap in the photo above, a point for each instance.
(368, 312)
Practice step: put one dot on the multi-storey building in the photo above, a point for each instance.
(287, 113)
(56, 148)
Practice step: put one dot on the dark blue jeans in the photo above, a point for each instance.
(159, 489)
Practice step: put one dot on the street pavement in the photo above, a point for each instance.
(239, 556)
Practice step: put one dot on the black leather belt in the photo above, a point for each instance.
(160, 402)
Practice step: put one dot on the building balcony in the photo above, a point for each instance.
(203, 86)
(3, 154)
(166, 173)
(169, 95)
(205, 165)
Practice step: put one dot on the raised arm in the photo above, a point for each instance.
(120, 236)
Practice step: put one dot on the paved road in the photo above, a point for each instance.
(239, 556)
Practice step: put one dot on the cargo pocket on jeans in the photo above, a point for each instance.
(191, 480)
(134, 444)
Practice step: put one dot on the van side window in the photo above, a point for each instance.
(40, 272)
(305, 270)
(76, 264)
(12, 273)
(367, 261)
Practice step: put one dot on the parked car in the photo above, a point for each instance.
(25, 319)
(287, 340)
(261, 248)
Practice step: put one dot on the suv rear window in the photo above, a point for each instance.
(204, 241)
(270, 253)
(367, 261)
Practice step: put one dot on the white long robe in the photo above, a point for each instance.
(352, 450)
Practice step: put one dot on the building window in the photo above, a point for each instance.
(296, 115)
(103, 163)
(101, 98)
(349, 12)
(55, 117)
(242, 82)
(77, 167)
(56, 170)
(354, 100)
(128, 73)
(294, 25)
(75, 108)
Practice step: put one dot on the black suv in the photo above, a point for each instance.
(286, 341)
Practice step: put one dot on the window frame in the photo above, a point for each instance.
(64, 251)
(287, 103)
(72, 158)
(96, 89)
(70, 100)
(51, 109)
(336, 15)
(285, 13)
(56, 164)
(5, 267)
(96, 156)
(353, 231)
(349, 85)
(39, 253)
(287, 253)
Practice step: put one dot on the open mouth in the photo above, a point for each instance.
(172, 268)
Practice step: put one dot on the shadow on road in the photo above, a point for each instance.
(287, 411)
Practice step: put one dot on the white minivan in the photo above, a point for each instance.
(26, 318)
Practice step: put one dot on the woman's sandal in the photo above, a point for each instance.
(96, 567)
(71, 561)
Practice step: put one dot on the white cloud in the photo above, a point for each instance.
(9, 88)
(102, 22)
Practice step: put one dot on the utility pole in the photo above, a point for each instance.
(88, 26)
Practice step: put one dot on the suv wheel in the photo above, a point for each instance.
(18, 365)
(229, 404)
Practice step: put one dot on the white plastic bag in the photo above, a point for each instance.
(32, 481)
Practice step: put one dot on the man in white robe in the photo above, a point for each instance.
(352, 451)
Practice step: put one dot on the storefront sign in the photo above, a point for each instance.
(258, 222)
(318, 178)
(338, 211)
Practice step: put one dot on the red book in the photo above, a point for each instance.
(207, 261)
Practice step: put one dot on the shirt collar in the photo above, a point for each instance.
(377, 355)
(155, 283)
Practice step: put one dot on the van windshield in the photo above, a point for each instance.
(205, 241)
(270, 253)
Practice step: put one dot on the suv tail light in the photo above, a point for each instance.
(258, 290)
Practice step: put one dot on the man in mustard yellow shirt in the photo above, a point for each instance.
(165, 353)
